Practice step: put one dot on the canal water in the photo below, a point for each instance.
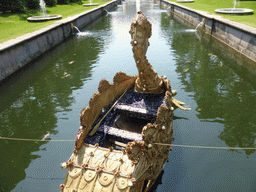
(48, 95)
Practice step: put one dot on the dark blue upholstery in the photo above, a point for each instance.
(133, 104)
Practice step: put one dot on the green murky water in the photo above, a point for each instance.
(49, 94)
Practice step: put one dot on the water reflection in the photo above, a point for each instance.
(31, 99)
(223, 92)
(49, 95)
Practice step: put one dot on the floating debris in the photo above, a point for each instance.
(65, 75)
(185, 70)
(48, 133)
(212, 55)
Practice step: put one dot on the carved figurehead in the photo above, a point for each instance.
(148, 80)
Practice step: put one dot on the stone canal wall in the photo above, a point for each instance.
(18, 52)
(240, 37)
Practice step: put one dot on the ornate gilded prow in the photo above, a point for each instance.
(148, 80)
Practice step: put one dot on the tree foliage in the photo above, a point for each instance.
(50, 3)
(68, 1)
(31, 4)
(62, 1)
(19, 6)
(14, 6)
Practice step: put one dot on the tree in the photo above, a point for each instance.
(50, 2)
(32, 4)
(62, 1)
(15, 6)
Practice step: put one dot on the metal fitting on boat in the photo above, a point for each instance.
(130, 184)
(62, 186)
(64, 165)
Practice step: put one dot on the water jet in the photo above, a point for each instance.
(43, 17)
(195, 30)
(77, 29)
(91, 4)
(106, 12)
(80, 33)
(201, 23)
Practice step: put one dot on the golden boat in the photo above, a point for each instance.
(127, 130)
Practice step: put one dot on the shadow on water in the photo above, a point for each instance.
(31, 98)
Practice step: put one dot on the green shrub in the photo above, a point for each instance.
(4, 6)
(76, 1)
(50, 3)
(62, 1)
(32, 4)
(15, 6)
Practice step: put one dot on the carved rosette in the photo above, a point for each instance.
(99, 169)
(148, 80)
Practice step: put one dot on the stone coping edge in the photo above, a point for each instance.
(239, 37)
(240, 26)
(18, 52)
(26, 37)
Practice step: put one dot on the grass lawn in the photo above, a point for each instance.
(211, 5)
(15, 25)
